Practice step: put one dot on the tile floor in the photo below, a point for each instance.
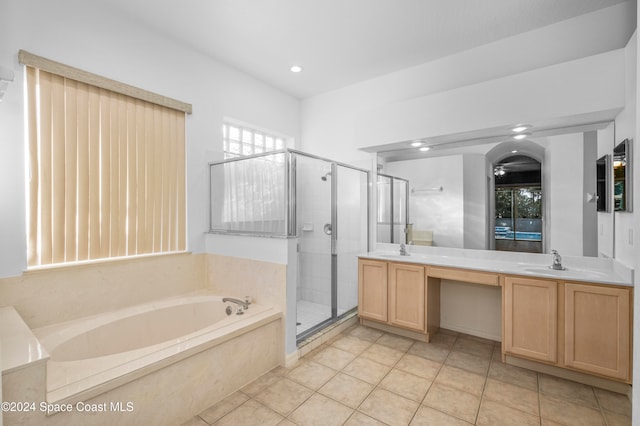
(367, 377)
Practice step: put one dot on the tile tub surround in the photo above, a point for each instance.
(165, 397)
(366, 376)
(54, 295)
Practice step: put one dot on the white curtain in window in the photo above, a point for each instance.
(253, 195)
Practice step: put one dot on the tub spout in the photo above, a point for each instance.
(242, 303)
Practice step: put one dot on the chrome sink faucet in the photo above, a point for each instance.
(557, 261)
(403, 250)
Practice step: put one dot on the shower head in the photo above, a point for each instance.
(325, 176)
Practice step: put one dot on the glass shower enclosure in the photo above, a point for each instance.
(321, 203)
(393, 209)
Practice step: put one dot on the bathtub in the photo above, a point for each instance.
(93, 355)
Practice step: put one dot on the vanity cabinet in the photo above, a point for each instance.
(584, 327)
(372, 289)
(398, 297)
(597, 329)
(407, 296)
(530, 318)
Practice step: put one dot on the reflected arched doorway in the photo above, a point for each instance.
(518, 204)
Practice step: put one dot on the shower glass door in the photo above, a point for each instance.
(332, 229)
(313, 188)
(350, 236)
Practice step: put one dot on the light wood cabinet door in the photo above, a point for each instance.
(407, 296)
(597, 329)
(372, 289)
(531, 318)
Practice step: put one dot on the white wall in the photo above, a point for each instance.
(333, 122)
(626, 128)
(82, 35)
(475, 201)
(563, 186)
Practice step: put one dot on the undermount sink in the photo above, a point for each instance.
(572, 272)
(392, 255)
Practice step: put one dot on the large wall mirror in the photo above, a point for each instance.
(457, 189)
(622, 177)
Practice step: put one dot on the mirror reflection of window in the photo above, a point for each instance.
(622, 176)
(518, 204)
(602, 183)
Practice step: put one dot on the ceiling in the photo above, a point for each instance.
(341, 42)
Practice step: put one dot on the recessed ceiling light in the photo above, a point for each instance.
(520, 136)
(296, 68)
(514, 151)
(416, 143)
(520, 128)
(424, 148)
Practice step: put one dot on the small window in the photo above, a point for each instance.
(241, 141)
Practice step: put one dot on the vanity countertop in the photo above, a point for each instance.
(585, 269)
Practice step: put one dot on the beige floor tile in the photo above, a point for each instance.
(283, 396)
(461, 379)
(427, 350)
(382, 354)
(614, 402)
(351, 344)
(614, 419)
(405, 384)
(333, 357)
(311, 374)
(452, 401)
(427, 416)
(195, 421)
(359, 419)
(468, 362)
(261, 383)
(495, 414)
(473, 347)
(398, 343)
(251, 413)
(547, 422)
(443, 340)
(367, 370)
(514, 375)
(366, 333)
(514, 396)
(389, 408)
(568, 413)
(347, 389)
(286, 422)
(321, 411)
(566, 389)
(218, 410)
(419, 366)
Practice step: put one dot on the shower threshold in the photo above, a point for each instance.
(310, 334)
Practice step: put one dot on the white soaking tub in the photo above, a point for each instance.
(92, 355)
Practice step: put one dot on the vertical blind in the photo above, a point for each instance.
(107, 175)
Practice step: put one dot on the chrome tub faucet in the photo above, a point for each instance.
(243, 305)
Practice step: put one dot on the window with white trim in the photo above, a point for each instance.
(242, 140)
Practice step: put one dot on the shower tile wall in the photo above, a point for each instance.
(314, 250)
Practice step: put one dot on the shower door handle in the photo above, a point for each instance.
(327, 228)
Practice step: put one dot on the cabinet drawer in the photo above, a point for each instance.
(477, 277)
